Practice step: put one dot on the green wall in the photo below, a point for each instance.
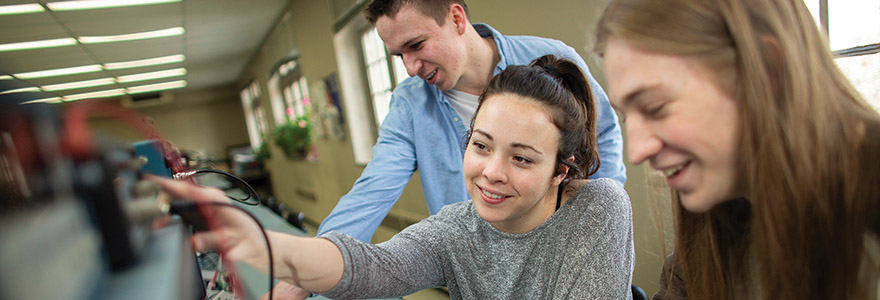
(206, 121)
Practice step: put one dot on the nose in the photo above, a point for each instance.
(494, 169)
(641, 141)
(411, 63)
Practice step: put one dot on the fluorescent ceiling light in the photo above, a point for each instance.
(21, 90)
(145, 62)
(99, 94)
(38, 44)
(5, 77)
(156, 87)
(93, 4)
(20, 9)
(46, 100)
(151, 75)
(78, 84)
(132, 36)
(58, 72)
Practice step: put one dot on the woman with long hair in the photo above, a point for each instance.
(771, 153)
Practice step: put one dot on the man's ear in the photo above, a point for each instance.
(458, 17)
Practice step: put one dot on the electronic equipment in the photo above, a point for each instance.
(75, 212)
(107, 181)
(46, 232)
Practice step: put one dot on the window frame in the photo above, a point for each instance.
(380, 65)
(288, 92)
(844, 57)
(363, 129)
(255, 117)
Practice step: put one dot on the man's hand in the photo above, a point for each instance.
(287, 291)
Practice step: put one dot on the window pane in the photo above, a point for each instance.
(288, 102)
(378, 74)
(375, 81)
(276, 99)
(853, 23)
(380, 105)
(298, 105)
(813, 5)
(399, 69)
(255, 90)
(383, 71)
(863, 71)
(250, 119)
(261, 119)
(304, 86)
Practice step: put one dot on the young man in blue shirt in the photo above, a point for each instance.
(451, 62)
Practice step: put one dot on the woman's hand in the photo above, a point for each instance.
(231, 231)
(312, 263)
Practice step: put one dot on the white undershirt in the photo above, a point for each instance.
(465, 104)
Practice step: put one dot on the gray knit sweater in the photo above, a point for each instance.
(583, 251)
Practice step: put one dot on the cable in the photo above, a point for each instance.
(250, 190)
(188, 210)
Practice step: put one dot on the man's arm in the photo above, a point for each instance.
(359, 213)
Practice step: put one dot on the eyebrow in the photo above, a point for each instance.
(641, 91)
(405, 44)
(632, 96)
(515, 145)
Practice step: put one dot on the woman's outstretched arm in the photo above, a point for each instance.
(314, 264)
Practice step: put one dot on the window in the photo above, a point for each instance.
(288, 92)
(854, 34)
(854, 23)
(379, 75)
(367, 75)
(296, 98)
(255, 117)
(815, 9)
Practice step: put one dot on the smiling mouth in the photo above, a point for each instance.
(670, 172)
(490, 195)
(492, 198)
(431, 75)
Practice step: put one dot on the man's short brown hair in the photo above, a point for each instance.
(436, 9)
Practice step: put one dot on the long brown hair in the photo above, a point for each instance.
(808, 150)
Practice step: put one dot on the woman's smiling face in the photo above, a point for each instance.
(510, 163)
(678, 119)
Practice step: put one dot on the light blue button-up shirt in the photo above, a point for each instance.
(422, 131)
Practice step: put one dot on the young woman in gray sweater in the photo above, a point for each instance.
(534, 228)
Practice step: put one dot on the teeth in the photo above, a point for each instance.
(670, 172)
(431, 76)
(490, 195)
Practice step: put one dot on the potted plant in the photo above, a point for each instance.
(293, 137)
